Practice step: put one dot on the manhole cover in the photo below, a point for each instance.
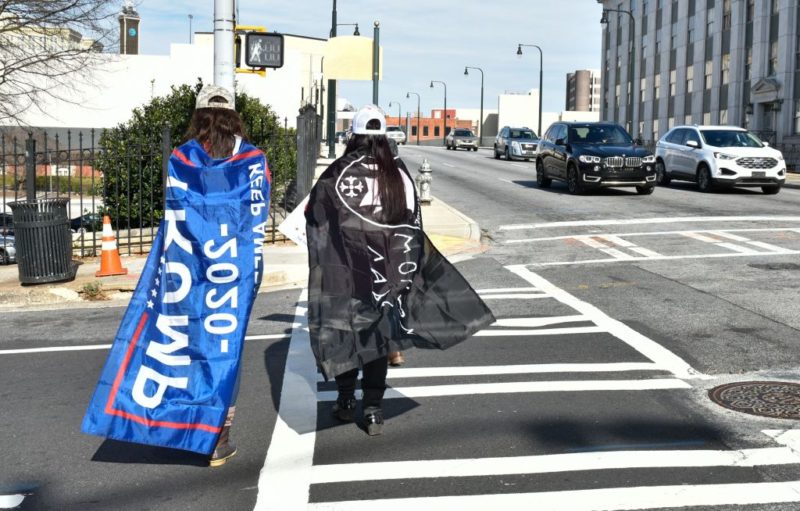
(777, 399)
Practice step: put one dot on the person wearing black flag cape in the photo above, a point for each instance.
(376, 283)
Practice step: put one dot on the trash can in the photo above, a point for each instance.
(43, 241)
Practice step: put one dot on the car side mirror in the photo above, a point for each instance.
(693, 144)
(560, 141)
(766, 144)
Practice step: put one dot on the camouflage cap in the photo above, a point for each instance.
(214, 96)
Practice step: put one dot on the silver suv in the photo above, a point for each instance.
(516, 143)
(719, 155)
(396, 133)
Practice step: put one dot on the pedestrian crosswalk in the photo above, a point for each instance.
(302, 472)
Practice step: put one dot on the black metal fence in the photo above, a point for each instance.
(125, 183)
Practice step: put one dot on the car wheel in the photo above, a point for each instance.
(496, 154)
(541, 179)
(475, 149)
(704, 182)
(573, 180)
(771, 190)
(661, 174)
(508, 154)
(645, 190)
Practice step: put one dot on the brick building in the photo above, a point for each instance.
(431, 128)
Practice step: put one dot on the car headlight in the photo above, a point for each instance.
(723, 156)
(585, 158)
(649, 159)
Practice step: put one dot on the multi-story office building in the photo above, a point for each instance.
(583, 91)
(736, 62)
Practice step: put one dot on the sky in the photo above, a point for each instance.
(422, 40)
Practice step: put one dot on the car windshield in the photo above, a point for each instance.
(463, 133)
(730, 138)
(599, 134)
(393, 128)
(522, 134)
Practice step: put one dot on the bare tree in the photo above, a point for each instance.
(44, 44)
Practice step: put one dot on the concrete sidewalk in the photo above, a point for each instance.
(286, 266)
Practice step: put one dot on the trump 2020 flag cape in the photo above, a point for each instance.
(170, 376)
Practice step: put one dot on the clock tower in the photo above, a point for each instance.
(129, 30)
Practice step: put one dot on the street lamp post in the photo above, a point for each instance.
(332, 97)
(466, 73)
(444, 114)
(190, 28)
(541, 72)
(408, 96)
(631, 65)
(399, 108)
(376, 60)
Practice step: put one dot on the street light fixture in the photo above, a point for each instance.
(541, 72)
(466, 73)
(408, 96)
(355, 32)
(631, 64)
(444, 114)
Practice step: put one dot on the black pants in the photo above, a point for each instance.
(373, 382)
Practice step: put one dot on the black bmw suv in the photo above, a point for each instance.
(590, 155)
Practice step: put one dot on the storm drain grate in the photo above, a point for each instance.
(776, 399)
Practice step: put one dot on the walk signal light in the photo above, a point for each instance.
(263, 49)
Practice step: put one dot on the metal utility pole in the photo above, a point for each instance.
(480, 124)
(224, 24)
(541, 72)
(444, 114)
(332, 98)
(408, 95)
(376, 61)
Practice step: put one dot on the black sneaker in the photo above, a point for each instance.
(373, 420)
(344, 409)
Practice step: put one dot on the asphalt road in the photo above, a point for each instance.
(617, 313)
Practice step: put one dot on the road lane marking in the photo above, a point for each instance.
(537, 322)
(647, 347)
(645, 252)
(522, 387)
(513, 296)
(541, 331)
(437, 372)
(700, 237)
(506, 290)
(550, 463)
(616, 254)
(728, 235)
(448, 164)
(616, 240)
(647, 233)
(644, 497)
(89, 347)
(284, 481)
(766, 246)
(669, 258)
(637, 221)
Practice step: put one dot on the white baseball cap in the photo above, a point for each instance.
(366, 114)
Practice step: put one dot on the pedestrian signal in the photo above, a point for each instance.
(263, 49)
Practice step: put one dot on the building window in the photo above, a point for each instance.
(773, 57)
(726, 68)
(413, 131)
(709, 67)
(748, 64)
(672, 83)
(670, 123)
(797, 117)
(655, 129)
(436, 131)
(707, 118)
(750, 10)
(656, 87)
(689, 79)
(723, 116)
(688, 119)
(424, 131)
(642, 88)
(726, 14)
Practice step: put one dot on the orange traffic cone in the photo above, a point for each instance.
(109, 257)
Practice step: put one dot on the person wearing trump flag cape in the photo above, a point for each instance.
(376, 284)
(172, 375)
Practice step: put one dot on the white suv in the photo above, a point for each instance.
(719, 155)
(396, 133)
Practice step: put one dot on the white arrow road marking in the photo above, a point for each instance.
(647, 347)
(605, 499)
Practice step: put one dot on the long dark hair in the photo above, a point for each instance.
(216, 129)
(390, 183)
